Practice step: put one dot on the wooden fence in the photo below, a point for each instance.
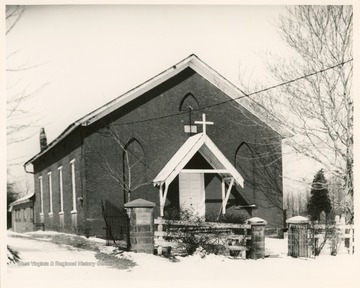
(348, 236)
(230, 239)
(344, 233)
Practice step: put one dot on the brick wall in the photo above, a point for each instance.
(61, 156)
(160, 139)
(99, 156)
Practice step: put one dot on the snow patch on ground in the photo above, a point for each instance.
(278, 269)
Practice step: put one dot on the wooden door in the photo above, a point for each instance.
(192, 193)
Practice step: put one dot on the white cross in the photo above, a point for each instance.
(203, 122)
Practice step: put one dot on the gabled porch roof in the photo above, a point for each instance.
(206, 147)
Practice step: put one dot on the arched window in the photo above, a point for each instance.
(245, 164)
(134, 168)
(188, 100)
(190, 104)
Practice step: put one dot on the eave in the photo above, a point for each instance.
(195, 64)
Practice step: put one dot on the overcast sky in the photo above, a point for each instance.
(88, 55)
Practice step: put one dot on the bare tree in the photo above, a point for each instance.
(17, 115)
(318, 108)
(341, 202)
(13, 15)
(131, 172)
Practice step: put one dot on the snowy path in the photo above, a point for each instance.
(281, 271)
(35, 254)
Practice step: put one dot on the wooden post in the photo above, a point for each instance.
(226, 194)
(223, 196)
(162, 197)
(161, 200)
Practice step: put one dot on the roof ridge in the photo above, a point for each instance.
(193, 62)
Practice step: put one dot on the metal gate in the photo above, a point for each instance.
(116, 224)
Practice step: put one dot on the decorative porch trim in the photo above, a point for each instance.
(163, 197)
(216, 171)
(198, 143)
(225, 196)
(221, 165)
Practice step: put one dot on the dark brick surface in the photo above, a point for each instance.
(159, 140)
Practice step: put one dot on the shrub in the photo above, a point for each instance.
(194, 236)
(233, 218)
(319, 199)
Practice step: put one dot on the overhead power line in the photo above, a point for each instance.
(240, 97)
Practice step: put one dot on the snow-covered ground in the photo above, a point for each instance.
(78, 267)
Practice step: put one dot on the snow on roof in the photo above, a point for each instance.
(198, 66)
(207, 148)
(184, 154)
(22, 200)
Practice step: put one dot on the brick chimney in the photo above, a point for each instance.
(43, 141)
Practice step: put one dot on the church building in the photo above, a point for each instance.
(187, 140)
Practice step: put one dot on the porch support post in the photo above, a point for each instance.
(227, 193)
(223, 196)
(161, 201)
(163, 197)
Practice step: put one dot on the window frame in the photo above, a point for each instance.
(73, 185)
(41, 196)
(50, 194)
(61, 190)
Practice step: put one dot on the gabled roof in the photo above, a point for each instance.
(206, 147)
(22, 200)
(199, 67)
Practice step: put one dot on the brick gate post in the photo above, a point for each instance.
(141, 227)
(257, 237)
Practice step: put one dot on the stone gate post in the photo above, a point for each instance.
(141, 214)
(257, 237)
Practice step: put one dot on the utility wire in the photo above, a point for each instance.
(238, 98)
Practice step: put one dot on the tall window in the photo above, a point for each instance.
(41, 196)
(190, 104)
(244, 163)
(134, 167)
(61, 190)
(72, 164)
(50, 194)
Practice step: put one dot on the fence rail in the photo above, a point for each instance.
(233, 238)
(161, 221)
(345, 232)
(309, 239)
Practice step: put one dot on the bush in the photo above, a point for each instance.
(321, 234)
(233, 218)
(196, 237)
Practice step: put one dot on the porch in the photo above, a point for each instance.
(195, 159)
